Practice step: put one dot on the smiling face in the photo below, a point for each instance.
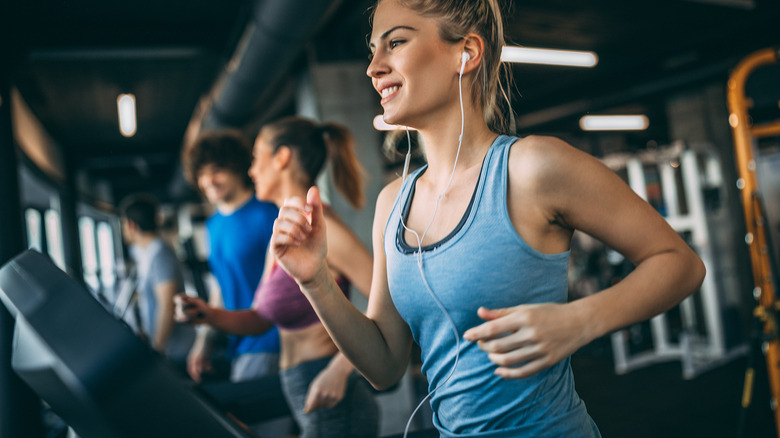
(219, 185)
(412, 68)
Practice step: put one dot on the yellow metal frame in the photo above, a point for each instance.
(745, 133)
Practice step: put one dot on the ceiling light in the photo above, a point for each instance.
(742, 4)
(125, 104)
(528, 55)
(614, 123)
(381, 125)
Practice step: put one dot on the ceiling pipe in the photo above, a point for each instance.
(272, 41)
(273, 38)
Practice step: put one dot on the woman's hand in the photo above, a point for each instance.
(526, 339)
(199, 360)
(190, 310)
(298, 242)
(326, 390)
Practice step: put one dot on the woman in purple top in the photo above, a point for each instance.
(325, 394)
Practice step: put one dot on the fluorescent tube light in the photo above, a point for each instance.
(742, 4)
(614, 123)
(528, 55)
(125, 104)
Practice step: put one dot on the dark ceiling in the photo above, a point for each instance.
(70, 59)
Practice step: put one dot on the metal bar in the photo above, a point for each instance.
(748, 184)
(669, 187)
(68, 209)
(672, 204)
(636, 178)
(701, 241)
(770, 129)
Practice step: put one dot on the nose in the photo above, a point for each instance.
(252, 170)
(378, 67)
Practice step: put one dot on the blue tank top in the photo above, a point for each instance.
(483, 262)
(238, 243)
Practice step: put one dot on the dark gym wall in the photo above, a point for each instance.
(19, 406)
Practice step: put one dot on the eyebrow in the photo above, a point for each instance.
(388, 32)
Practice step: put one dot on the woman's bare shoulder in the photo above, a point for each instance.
(542, 148)
(387, 196)
(537, 159)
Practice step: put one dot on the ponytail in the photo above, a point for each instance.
(345, 167)
(315, 144)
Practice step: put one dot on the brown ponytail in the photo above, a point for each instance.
(346, 169)
(315, 144)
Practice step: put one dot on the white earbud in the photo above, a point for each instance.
(463, 58)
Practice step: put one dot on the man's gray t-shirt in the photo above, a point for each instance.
(158, 264)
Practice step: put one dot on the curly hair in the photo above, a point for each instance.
(224, 149)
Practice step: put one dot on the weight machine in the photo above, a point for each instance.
(746, 134)
(673, 179)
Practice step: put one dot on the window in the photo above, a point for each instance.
(106, 254)
(54, 243)
(89, 256)
(32, 222)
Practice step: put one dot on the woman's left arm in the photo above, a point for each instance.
(347, 254)
(572, 190)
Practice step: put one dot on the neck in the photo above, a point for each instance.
(227, 207)
(441, 138)
(287, 188)
(145, 238)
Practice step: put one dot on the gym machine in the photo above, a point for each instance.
(674, 179)
(746, 135)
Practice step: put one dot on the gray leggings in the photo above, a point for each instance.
(356, 416)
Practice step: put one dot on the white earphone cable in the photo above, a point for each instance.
(421, 238)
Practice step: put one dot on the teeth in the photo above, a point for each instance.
(389, 90)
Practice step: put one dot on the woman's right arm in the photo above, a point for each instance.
(193, 310)
(377, 343)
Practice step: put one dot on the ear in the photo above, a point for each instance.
(282, 157)
(474, 46)
(128, 227)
